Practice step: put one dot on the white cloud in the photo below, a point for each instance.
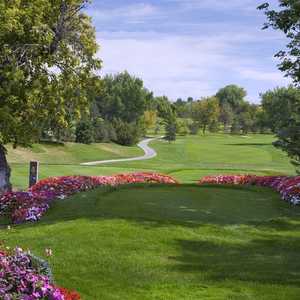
(131, 13)
(184, 57)
(244, 5)
(178, 66)
(276, 77)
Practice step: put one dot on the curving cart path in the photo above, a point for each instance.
(144, 145)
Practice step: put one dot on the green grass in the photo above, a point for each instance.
(171, 242)
(188, 159)
(70, 153)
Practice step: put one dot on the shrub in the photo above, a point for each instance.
(127, 134)
(103, 131)
(84, 132)
(182, 127)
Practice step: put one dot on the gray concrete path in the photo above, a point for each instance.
(144, 145)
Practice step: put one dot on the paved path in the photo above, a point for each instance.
(144, 145)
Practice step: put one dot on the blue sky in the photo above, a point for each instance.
(183, 48)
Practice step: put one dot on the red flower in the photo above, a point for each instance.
(69, 295)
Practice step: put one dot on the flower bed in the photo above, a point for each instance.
(21, 279)
(288, 187)
(31, 205)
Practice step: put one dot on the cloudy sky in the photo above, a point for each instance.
(183, 48)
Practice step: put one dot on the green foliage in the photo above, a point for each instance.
(47, 64)
(194, 128)
(171, 128)
(103, 131)
(84, 132)
(164, 107)
(289, 141)
(206, 112)
(236, 126)
(150, 118)
(122, 97)
(287, 20)
(182, 127)
(37, 37)
(122, 103)
(283, 105)
(226, 115)
(278, 105)
(231, 96)
(127, 133)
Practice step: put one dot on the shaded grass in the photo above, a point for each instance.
(171, 242)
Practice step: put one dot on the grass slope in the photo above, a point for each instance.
(178, 242)
(187, 159)
(70, 153)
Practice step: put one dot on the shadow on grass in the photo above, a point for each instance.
(249, 144)
(261, 250)
(271, 260)
(187, 205)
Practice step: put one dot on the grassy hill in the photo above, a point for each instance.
(171, 242)
(187, 159)
(70, 153)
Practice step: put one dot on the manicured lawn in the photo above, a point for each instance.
(187, 159)
(171, 242)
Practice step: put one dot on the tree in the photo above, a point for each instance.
(170, 128)
(122, 97)
(194, 128)
(47, 59)
(103, 131)
(231, 96)
(236, 126)
(206, 112)
(182, 127)
(84, 132)
(127, 133)
(247, 117)
(289, 141)
(287, 20)
(282, 112)
(278, 106)
(150, 118)
(226, 115)
(164, 107)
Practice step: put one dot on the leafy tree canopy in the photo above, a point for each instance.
(47, 55)
(278, 105)
(287, 20)
(231, 95)
(123, 97)
(47, 59)
(206, 112)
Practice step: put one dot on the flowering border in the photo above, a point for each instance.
(31, 205)
(22, 278)
(288, 187)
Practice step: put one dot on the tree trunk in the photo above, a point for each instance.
(5, 185)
